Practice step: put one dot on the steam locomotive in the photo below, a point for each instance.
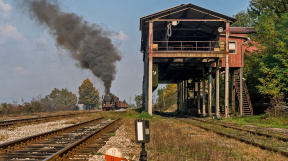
(111, 102)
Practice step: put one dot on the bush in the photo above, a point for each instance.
(144, 114)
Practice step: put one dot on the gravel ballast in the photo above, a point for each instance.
(15, 133)
(129, 149)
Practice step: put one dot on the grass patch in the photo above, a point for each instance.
(2, 137)
(261, 120)
(95, 153)
(111, 134)
(173, 140)
(144, 114)
(177, 140)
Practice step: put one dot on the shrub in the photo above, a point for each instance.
(144, 114)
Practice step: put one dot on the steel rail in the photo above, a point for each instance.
(242, 140)
(16, 144)
(246, 130)
(68, 151)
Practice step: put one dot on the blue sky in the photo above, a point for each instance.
(31, 65)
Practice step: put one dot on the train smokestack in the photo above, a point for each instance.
(89, 44)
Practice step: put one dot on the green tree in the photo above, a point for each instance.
(268, 7)
(139, 100)
(272, 34)
(88, 95)
(124, 101)
(267, 68)
(60, 100)
(167, 97)
(243, 20)
(161, 99)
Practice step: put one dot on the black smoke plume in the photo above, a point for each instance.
(89, 44)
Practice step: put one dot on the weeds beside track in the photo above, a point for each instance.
(258, 139)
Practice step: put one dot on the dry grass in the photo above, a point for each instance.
(2, 137)
(173, 140)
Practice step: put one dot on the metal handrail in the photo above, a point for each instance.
(246, 92)
(186, 45)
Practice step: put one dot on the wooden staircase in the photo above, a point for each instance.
(247, 109)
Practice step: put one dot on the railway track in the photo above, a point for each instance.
(8, 123)
(14, 122)
(258, 139)
(263, 140)
(76, 142)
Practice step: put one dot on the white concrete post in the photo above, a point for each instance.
(227, 72)
(203, 95)
(210, 92)
(217, 81)
(198, 97)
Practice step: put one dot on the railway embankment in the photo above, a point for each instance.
(174, 138)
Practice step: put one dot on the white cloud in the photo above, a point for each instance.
(8, 32)
(120, 36)
(5, 9)
(42, 43)
(20, 71)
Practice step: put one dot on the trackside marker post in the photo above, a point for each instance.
(142, 133)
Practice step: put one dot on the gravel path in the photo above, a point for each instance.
(10, 134)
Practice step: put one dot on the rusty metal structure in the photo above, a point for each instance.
(182, 45)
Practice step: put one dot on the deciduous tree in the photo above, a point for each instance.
(268, 67)
(139, 100)
(88, 94)
(60, 100)
(243, 20)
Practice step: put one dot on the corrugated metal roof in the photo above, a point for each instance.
(182, 7)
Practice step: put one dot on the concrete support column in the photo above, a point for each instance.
(181, 96)
(217, 81)
(150, 68)
(203, 95)
(227, 71)
(210, 92)
(188, 94)
(233, 91)
(185, 94)
(145, 85)
(194, 94)
(198, 97)
(178, 96)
